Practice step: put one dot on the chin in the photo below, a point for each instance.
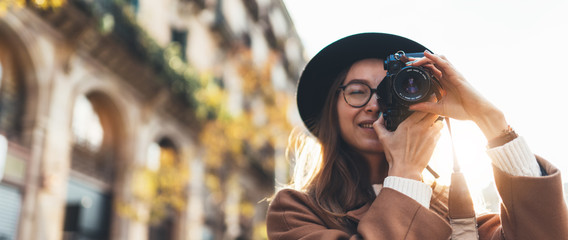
(376, 150)
(374, 147)
(365, 145)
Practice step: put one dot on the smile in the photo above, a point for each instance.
(366, 125)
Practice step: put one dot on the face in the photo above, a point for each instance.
(356, 123)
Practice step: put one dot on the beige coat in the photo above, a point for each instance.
(532, 208)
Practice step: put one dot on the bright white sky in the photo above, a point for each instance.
(513, 52)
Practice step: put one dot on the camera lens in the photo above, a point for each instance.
(411, 84)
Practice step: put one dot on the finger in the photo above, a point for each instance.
(428, 107)
(418, 61)
(379, 127)
(416, 117)
(440, 62)
(423, 61)
(435, 71)
(428, 120)
(436, 133)
(433, 98)
(426, 63)
(438, 125)
(437, 129)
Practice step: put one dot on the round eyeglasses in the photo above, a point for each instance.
(358, 94)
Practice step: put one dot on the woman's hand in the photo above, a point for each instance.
(459, 99)
(409, 149)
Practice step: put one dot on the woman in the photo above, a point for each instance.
(368, 185)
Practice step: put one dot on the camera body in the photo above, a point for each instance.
(403, 86)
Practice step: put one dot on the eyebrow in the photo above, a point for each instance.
(357, 80)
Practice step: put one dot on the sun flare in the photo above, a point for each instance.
(474, 163)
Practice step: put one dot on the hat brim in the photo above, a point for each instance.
(323, 68)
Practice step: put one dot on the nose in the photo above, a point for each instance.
(373, 104)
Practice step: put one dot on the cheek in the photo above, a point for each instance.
(345, 116)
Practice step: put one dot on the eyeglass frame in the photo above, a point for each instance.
(373, 90)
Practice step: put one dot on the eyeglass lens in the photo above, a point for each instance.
(357, 94)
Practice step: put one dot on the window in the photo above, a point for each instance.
(10, 204)
(163, 158)
(135, 5)
(89, 155)
(180, 37)
(88, 203)
(1, 76)
(12, 95)
(87, 128)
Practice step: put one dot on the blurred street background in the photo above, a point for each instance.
(144, 119)
(157, 119)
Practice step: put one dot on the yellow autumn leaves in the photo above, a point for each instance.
(43, 4)
(259, 124)
(161, 190)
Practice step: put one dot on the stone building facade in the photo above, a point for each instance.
(96, 93)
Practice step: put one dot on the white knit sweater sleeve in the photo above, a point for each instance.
(419, 191)
(515, 158)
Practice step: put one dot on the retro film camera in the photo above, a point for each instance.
(404, 86)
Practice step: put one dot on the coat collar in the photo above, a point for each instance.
(358, 213)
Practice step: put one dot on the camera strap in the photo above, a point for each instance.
(460, 205)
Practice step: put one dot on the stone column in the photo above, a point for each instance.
(195, 206)
(48, 167)
(54, 165)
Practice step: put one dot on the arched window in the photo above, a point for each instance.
(87, 129)
(153, 159)
(1, 77)
(93, 164)
(90, 156)
(163, 158)
(162, 153)
(12, 95)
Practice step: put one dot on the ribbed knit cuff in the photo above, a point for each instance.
(419, 191)
(515, 158)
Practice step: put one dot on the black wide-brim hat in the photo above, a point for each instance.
(324, 67)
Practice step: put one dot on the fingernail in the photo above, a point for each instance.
(411, 62)
(428, 51)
